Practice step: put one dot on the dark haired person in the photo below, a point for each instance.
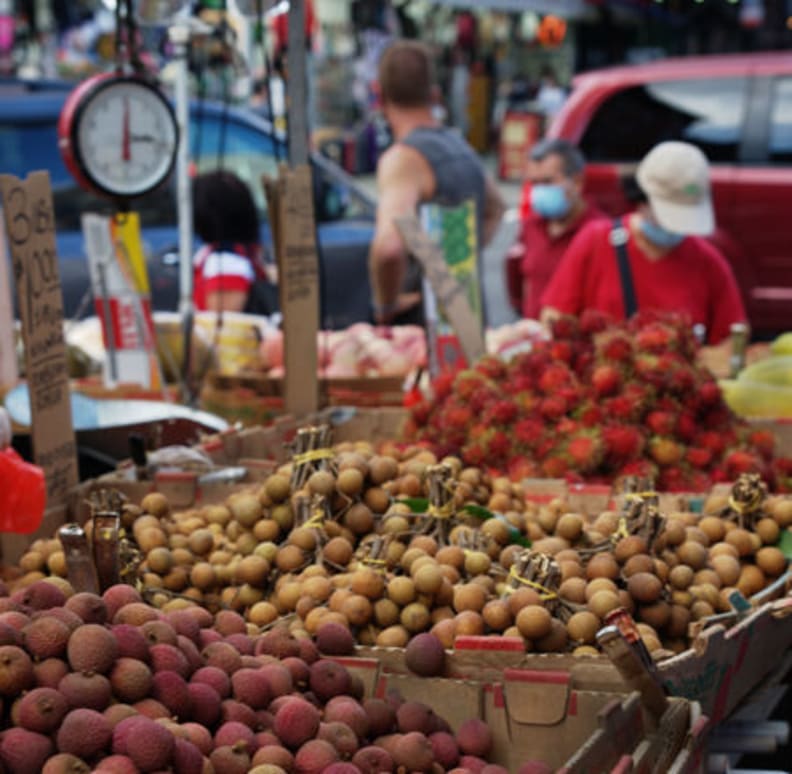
(557, 211)
(229, 273)
(655, 258)
(427, 163)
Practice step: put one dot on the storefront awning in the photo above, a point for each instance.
(565, 8)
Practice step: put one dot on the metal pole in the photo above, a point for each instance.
(297, 110)
(180, 37)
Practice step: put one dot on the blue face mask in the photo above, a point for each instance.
(659, 236)
(549, 201)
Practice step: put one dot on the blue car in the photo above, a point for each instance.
(239, 140)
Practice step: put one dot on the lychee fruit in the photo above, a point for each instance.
(92, 648)
(329, 679)
(130, 642)
(414, 752)
(381, 717)
(130, 680)
(274, 755)
(158, 631)
(299, 669)
(342, 709)
(229, 622)
(372, 760)
(232, 710)
(16, 670)
(72, 620)
(241, 642)
(9, 635)
(84, 733)
(296, 722)
(425, 655)
(230, 760)
(214, 677)
(341, 736)
(232, 732)
(40, 595)
(187, 758)
(415, 716)
(191, 653)
(119, 595)
(86, 689)
(48, 673)
(151, 708)
(251, 687)
(472, 763)
(117, 764)
(199, 735)
(205, 703)
(23, 751)
(315, 756)
(184, 623)
(115, 713)
(168, 658)
(474, 737)
(153, 745)
(65, 763)
(42, 710)
(341, 767)
(90, 607)
(170, 689)
(135, 613)
(334, 639)
(223, 656)
(45, 637)
(445, 749)
(279, 677)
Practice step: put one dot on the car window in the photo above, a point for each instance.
(781, 122)
(227, 143)
(708, 113)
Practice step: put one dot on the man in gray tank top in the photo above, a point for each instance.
(427, 163)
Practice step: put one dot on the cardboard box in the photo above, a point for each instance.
(252, 398)
(622, 743)
(554, 715)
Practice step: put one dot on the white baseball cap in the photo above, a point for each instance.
(675, 178)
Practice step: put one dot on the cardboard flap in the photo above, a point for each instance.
(537, 698)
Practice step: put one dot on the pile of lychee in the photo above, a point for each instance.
(113, 685)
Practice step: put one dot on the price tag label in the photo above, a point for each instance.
(30, 230)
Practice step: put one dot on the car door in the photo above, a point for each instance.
(763, 201)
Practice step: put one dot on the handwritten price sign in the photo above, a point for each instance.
(30, 231)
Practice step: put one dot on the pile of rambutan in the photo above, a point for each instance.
(599, 401)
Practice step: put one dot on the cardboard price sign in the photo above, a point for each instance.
(8, 362)
(290, 201)
(450, 294)
(30, 228)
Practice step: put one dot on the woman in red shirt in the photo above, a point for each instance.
(667, 262)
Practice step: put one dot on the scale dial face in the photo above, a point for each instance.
(120, 136)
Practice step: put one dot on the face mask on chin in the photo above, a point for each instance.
(550, 201)
(659, 236)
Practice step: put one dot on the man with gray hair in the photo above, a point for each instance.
(556, 211)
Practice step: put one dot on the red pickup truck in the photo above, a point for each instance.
(738, 110)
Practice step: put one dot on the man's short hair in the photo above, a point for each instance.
(406, 74)
(571, 156)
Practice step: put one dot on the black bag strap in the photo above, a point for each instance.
(618, 238)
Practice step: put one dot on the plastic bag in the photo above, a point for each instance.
(23, 494)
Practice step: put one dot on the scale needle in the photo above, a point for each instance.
(126, 154)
